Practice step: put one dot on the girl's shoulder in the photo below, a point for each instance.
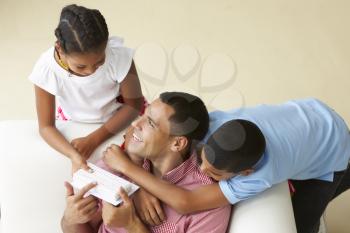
(46, 62)
(45, 74)
(116, 49)
(115, 42)
(118, 58)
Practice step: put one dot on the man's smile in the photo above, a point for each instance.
(136, 137)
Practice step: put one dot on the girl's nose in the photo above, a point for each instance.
(90, 71)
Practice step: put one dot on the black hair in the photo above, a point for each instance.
(81, 30)
(190, 118)
(235, 146)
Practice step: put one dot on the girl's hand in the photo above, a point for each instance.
(85, 146)
(116, 158)
(78, 162)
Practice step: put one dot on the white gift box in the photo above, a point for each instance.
(108, 184)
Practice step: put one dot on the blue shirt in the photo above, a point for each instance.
(305, 139)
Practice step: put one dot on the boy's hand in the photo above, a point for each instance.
(116, 158)
(85, 146)
(79, 209)
(148, 208)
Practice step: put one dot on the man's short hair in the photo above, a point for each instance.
(235, 146)
(190, 118)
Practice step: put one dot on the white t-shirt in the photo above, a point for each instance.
(90, 99)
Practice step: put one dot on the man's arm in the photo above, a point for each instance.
(182, 200)
(76, 228)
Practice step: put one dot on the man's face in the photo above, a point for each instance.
(150, 134)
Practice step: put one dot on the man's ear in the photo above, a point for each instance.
(247, 172)
(179, 144)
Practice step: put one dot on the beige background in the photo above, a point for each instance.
(267, 51)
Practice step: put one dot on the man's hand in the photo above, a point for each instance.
(121, 216)
(79, 209)
(116, 158)
(148, 208)
(85, 146)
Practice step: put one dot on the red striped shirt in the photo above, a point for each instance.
(188, 176)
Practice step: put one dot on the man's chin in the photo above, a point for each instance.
(134, 152)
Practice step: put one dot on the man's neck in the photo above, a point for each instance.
(165, 163)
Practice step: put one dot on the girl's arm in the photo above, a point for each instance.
(182, 200)
(45, 105)
(130, 89)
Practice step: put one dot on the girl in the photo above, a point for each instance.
(84, 73)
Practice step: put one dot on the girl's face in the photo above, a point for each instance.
(83, 64)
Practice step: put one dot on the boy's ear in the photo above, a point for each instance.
(247, 172)
(179, 144)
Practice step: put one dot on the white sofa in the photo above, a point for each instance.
(32, 195)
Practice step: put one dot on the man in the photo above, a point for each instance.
(164, 136)
(249, 150)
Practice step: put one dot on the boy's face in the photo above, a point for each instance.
(211, 171)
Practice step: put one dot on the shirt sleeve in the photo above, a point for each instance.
(45, 78)
(239, 188)
(121, 58)
(212, 221)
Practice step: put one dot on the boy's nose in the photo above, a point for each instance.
(203, 169)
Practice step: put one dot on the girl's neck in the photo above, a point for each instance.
(59, 60)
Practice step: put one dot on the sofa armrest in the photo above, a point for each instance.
(32, 175)
(268, 212)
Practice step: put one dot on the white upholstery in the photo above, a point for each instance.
(32, 192)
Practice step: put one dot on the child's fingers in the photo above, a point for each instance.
(69, 189)
(115, 147)
(86, 168)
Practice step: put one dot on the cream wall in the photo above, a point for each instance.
(268, 52)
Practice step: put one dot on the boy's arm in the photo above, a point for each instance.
(182, 200)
